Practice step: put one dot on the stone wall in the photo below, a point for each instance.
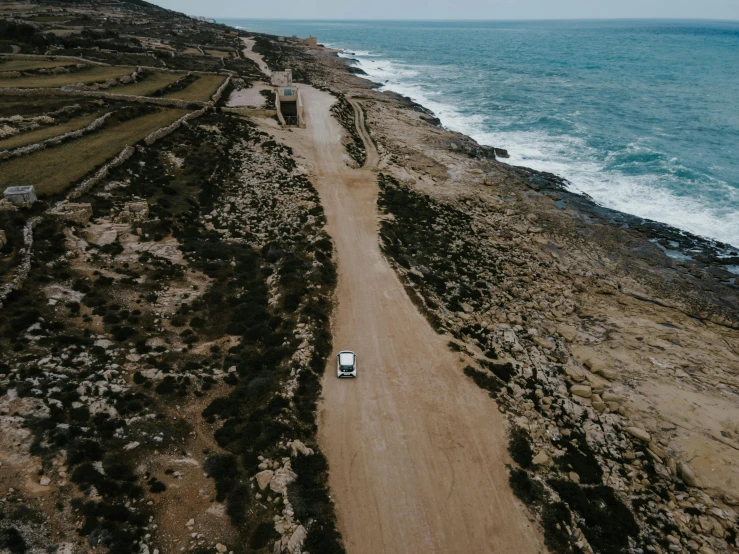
(53, 58)
(86, 185)
(164, 131)
(217, 96)
(25, 150)
(126, 153)
(171, 102)
(24, 268)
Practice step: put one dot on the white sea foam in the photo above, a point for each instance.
(567, 156)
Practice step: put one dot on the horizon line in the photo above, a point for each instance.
(483, 20)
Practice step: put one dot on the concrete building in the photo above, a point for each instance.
(21, 196)
(289, 106)
(282, 78)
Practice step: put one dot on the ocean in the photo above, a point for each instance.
(643, 116)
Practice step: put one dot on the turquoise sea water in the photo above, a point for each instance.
(641, 115)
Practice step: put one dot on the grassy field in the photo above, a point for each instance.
(54, 169)
(150, 84)
(92, 75)
(37, 135)
(28, 65)
(201, 90)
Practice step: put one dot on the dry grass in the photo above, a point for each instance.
(37, 135)
(54, 169)
(201, 90)
(29, 65)
(219, 53)
(151, 83)
(192, 52)
(92, 75)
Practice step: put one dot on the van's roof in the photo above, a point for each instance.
(346, 358)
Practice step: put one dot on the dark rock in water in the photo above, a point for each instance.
(356, 70)
(501, 153)
(678, 245)
(432, 119)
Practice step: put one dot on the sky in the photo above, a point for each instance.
(458, 9)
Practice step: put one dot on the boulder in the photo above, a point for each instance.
(568, 332)
(583, 391)
(264, 478)
(639, 433)
(295, 544)
(575, 373)
(297, 446)
(686, 474)
(281, 479)
(541, 459)
(544, 343)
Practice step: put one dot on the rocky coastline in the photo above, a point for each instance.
(609, 341)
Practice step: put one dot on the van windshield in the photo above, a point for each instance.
(346, 368)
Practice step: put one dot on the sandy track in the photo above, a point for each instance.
(416, 450)
(249, 53)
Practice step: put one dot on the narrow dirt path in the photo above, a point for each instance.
(249, 53)
(416, 450)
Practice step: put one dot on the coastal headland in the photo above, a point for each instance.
(536, 373)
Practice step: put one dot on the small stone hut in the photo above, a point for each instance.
(21, 196)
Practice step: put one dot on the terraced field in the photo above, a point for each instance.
(52, 170)
(30, 65)
(38, 135)
(149, 84)
(201, 90)
(92, 75)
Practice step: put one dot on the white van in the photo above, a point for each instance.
(346, 365)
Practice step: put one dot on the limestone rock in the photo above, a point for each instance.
(686, 474)
(639, 433)
(221, 548)
(297, 539)
(264, 478)
(541, 459)
(282, 478)
(544, 343)
(298, 447)
(583, 391)
(568, 332)
(575, 373)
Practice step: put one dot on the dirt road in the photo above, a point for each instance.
(416, 450)
(249, 53)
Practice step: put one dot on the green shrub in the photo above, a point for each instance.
(608, 522)
(528, 490)
(519, 447)
(554, 517)
(12, 541)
